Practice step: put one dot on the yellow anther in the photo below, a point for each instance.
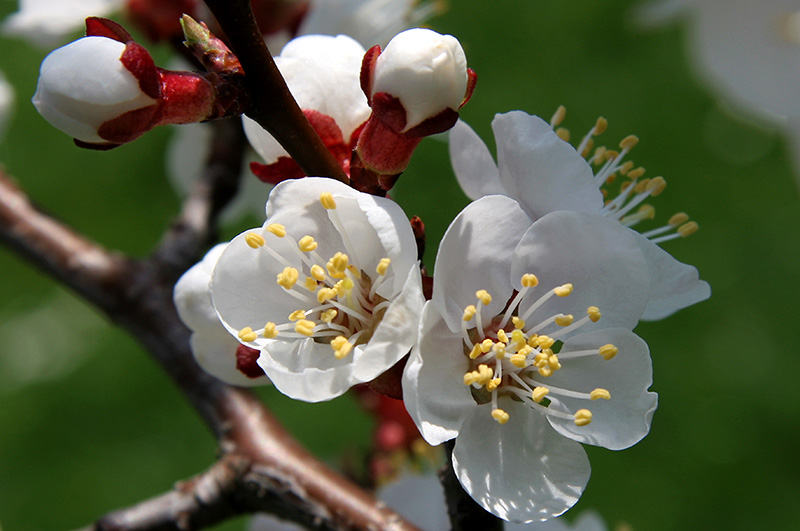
(635, 174)
(470, 377)
(476, 351)
(641, 186)
(608, 351)
(629, 141)
(625, 186)
(341, 347)
(519, 360)
(383, 266)
(325, 294)
(318, 273)
(307, 244)
(354, 271)
(539, 393)
(305, 327)
(311, 284)
(518, 323)
(545, 371)
(563, 133)
(611, 154)
(247, 335)
(277, 229)
(564, 320)
(600, 126)
(626, 167)
(500, 416)
(270, 331)
(563, 290)
(288, 278)
(501, 336)
(594, 313)
(656, 186)
(337, 265)
(525, 350)
(599, 155)
(558, 116)
(343, 287)
(647, 212)
(583, 417)
(546, 342)
(486, 345)
(529, 280)
(254, 240)
(499, 350)
(688, 228)
(678, 219)
(484, 297)
(469, 312)
(328, 315)
(297, 315)
(485, 374)
(610, 179)
(493, 384)
(552, 361)
(600, 393)
(516, 336)
(588, 148)
(326, 198)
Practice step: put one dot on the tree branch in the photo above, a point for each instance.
(465, 514)
(271, 103)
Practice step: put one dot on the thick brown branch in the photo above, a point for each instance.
(271, 103)
(465, 514)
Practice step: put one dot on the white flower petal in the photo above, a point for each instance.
(623, 420)
(597, 255)
(473, 164)
(433, 391)
(396, 333)
(540, 170)
(46, 23)
(673, 284)
(215, 352)
(520, 471)
(474, 254)
(420, 499)
(192, 296)
(305, 370)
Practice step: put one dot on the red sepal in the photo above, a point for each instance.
(140, 63)
(472, 80)
(283, 169)
(103, 27)
(129, 126)
(96, 146)
(440, 123)
(246, 359)
(367, 69)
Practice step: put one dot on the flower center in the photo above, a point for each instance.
(511, 357)
(338, 300)
(626, 204)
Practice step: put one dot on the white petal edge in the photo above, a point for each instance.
(472, 163)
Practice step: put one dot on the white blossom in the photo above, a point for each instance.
(329, 289)
(546, 174)
(526, 350)
(46, 23)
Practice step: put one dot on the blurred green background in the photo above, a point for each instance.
(88, 423)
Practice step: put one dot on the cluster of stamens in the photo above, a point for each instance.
(338, 300)
(513, 358)
(635, 189)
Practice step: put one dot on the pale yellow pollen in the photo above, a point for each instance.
(485, 374)
(501, 336)
(383, 266)
(635, 174)
(517, 337)
(277, 229)
(500, 416)
(539, 393)
(499, 350)
(518, 323)
(563, 133)
(529, 280)
(608, 351)
(525, 350)
(318, 273)
(611, 154)
(545, 371)
(626, 167)
(354, 271)
(559, 115)
(325, 294)
(678, 219)
(647, 212)
(476, 351)
(247, 335)
(599, 154)
(337, 265)
(341, 347)
(486, 345)
(270, 331)
(564, 320)
(307, 244)
(254, 240)
(297, 315)
(656, 186)
(600, 393)
(326, 198)
(546, 342)
(484, 297)
(563, 290)
(343, 287)
(469, 312)
(688, 228)
(288, 278)
(305, 327)
(583, 417)
(629, 142)
(594, 313)
(519, 360)
(610, 179)
(493, 384)
(625, 186)
(311, 284)
(552, 360)
(588, 148)
(328, 315)
(470, 377)
(600, 126)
